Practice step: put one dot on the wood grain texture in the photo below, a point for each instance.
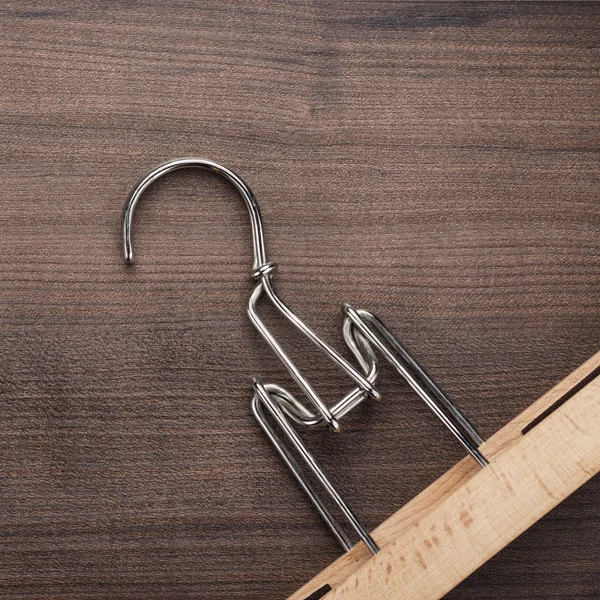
(436, 164)
(481, 515)
(408, 517)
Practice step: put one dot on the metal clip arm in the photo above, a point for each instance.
(363, 332)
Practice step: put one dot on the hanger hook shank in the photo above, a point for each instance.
(260, 262)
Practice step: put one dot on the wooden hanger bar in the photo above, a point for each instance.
(465, 517)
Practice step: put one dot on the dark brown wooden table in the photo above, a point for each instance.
(434, 163)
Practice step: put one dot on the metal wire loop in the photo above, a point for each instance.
(258, 238)
(363, 333)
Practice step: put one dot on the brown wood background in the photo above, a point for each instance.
(434, 163)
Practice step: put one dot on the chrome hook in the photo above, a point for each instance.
(259, 263)
(261, 271)
(363, 333)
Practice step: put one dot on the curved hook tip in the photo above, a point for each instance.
(260, 265)
(128, 254)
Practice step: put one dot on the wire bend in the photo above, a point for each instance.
(259, 263)
(363, 333)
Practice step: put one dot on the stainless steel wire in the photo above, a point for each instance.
(363, 333)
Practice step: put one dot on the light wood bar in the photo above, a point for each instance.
(531, 472)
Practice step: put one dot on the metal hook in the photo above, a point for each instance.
(259, 263)
(363, 333)
(262, 270)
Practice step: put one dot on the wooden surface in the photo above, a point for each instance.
(410, 516)
(520, 486)
(436, 164)
(468, 515)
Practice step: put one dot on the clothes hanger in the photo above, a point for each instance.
(363, 333)
(466, 516)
